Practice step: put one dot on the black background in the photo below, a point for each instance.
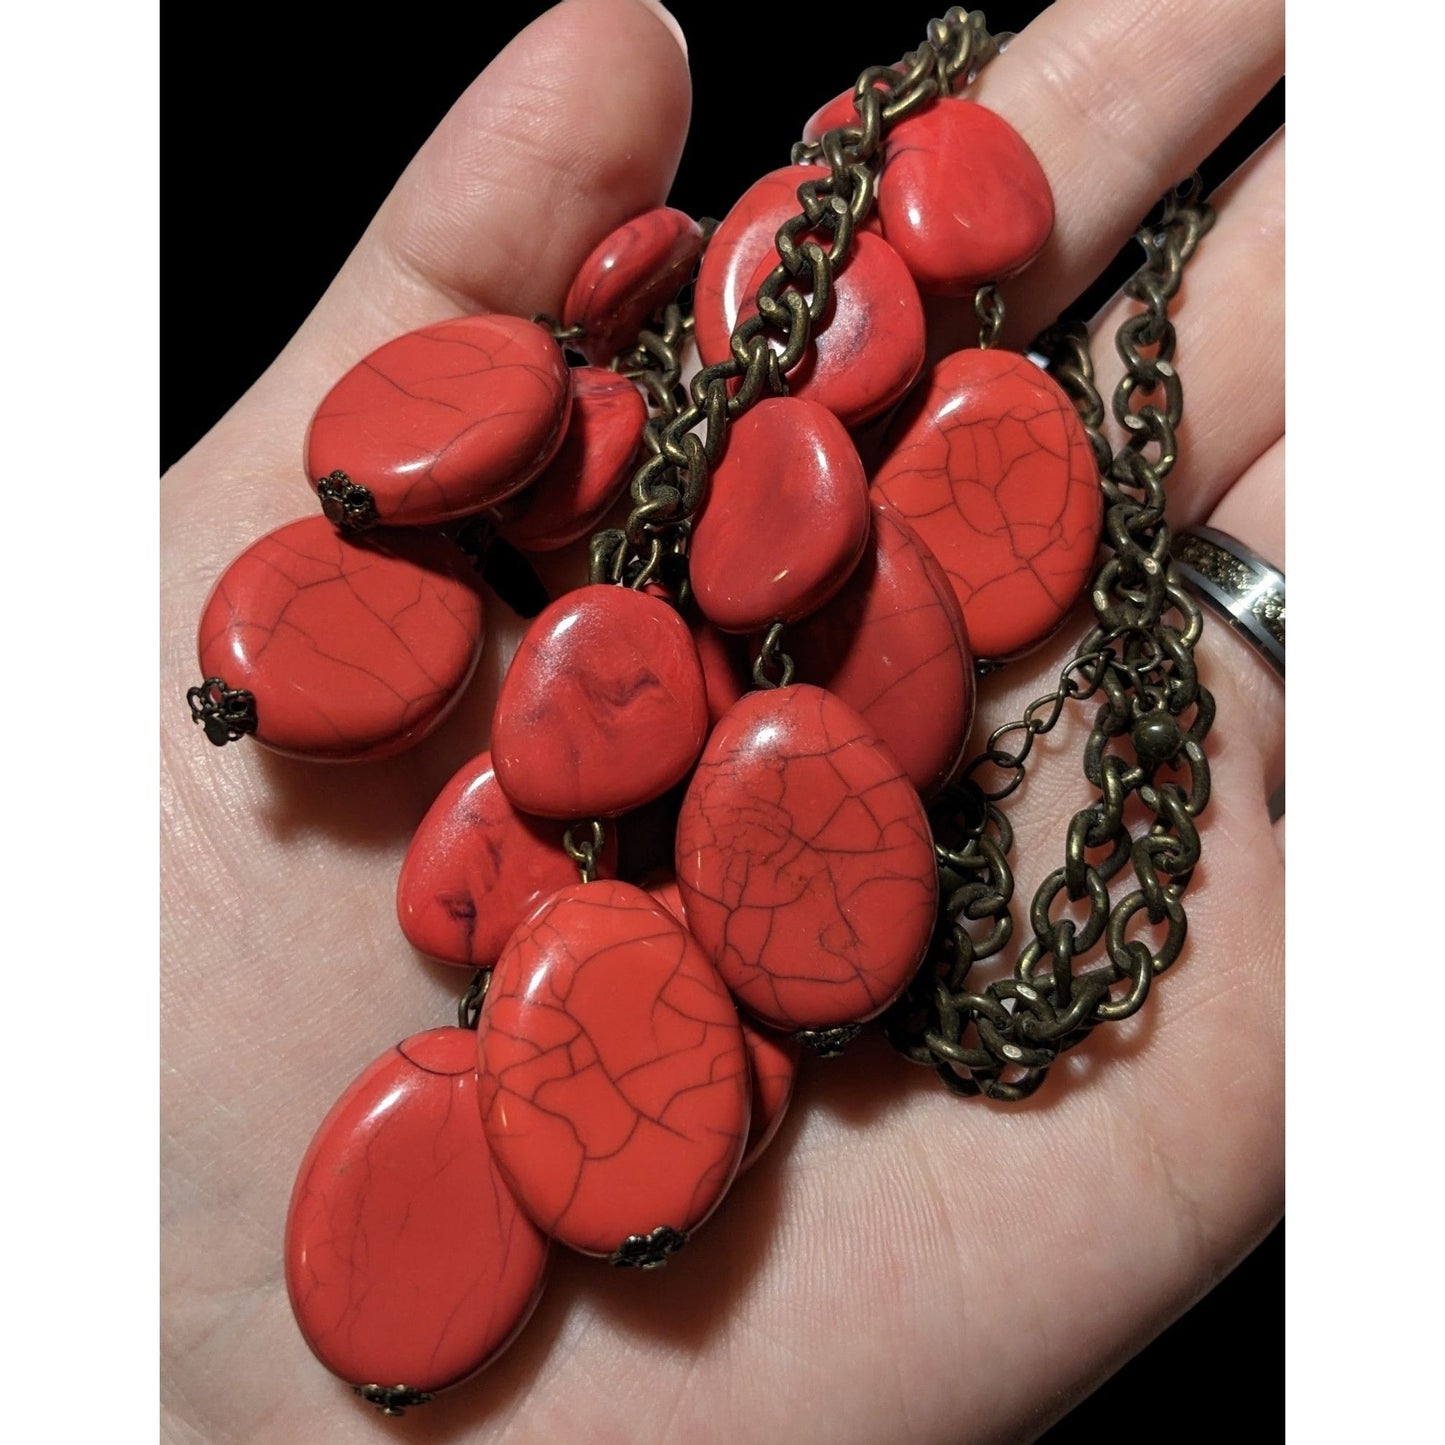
(277, 147)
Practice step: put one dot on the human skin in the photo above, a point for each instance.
(889, 1226)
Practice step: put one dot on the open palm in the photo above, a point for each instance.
(900, 1266)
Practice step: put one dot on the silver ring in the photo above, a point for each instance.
(1236, 583)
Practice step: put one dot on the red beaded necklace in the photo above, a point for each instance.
(776, 654)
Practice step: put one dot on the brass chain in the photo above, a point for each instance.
(1147, 745)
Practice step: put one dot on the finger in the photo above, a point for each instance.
(1230, 320)
(1119, 101)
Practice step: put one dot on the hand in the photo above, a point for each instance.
(900, 1266)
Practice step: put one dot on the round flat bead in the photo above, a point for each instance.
(354, 646)
(590, 470)
(868, 348)
(447, 420)
(408, 1261)
(613, 1077)
(603, 707)
(805, 861)
(631, 275)
(772, 1057)
(992, 467)
(726, 669)
(893, 646)
(786, 517)
(962, 197)
(742, 241)
(477, 867)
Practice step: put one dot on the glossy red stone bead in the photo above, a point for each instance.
(962, 197)
(354, 646)
(631, 275)
(992, 467)
(838, 111)
(893, 646)
(603, 707)
(447, 420)
(477, 867)
(805, 861)
(613, 1077)
(726, 668)
(867, 349)
(408, 1261)
(786, 517)
(590, 470)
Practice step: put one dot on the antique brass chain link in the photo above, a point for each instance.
(1145, 752)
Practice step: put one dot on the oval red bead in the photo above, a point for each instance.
(992, 467)
(447, 420)
(590, 470)
(742, 241)
(603, 707)
(805, 861)
(613, 1077)
(867, 349)
(838, 111)
(354, 646)
(772, 1057)
(892, 645)
(962, 197)
(631, 275)
(786, 517)
(476, 868)
(408, 1261)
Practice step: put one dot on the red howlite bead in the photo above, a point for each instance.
(786, 517)
(892, 645)
(585, 477)
(354, 646)
(408, 1261)
(726, 669)
(867, 349)
(838, 111)
(477, 867)
(992, 467)
(631, 275)
(447, 420)
(962, 197)
(603, 708)
(613, 1077)
(772, 1058)
(805, 861)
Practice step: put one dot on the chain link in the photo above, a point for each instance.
(1146, 746)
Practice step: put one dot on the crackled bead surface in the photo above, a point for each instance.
(631, 275)
(447, 420)
(354, 646)
(590, 470)
(805, 861)
(962, 197)
(476, 868)
(613, 1076)
(786, 517)
(867, 349)
(893, 646)
(603, 708)
(408, 1261)
(992, 467)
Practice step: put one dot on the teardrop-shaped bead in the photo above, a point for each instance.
(991, 466)
(893, 646)
(590, 470)
(354, 646)
(408, 1262)
(476, 868)
(867, 348)
(962, 197)
(613, 1077)
(786, 517)
(603, 707)
(629, 276)
(447, 420)
(805, 861)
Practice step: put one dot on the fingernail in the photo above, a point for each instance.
(668, 19)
